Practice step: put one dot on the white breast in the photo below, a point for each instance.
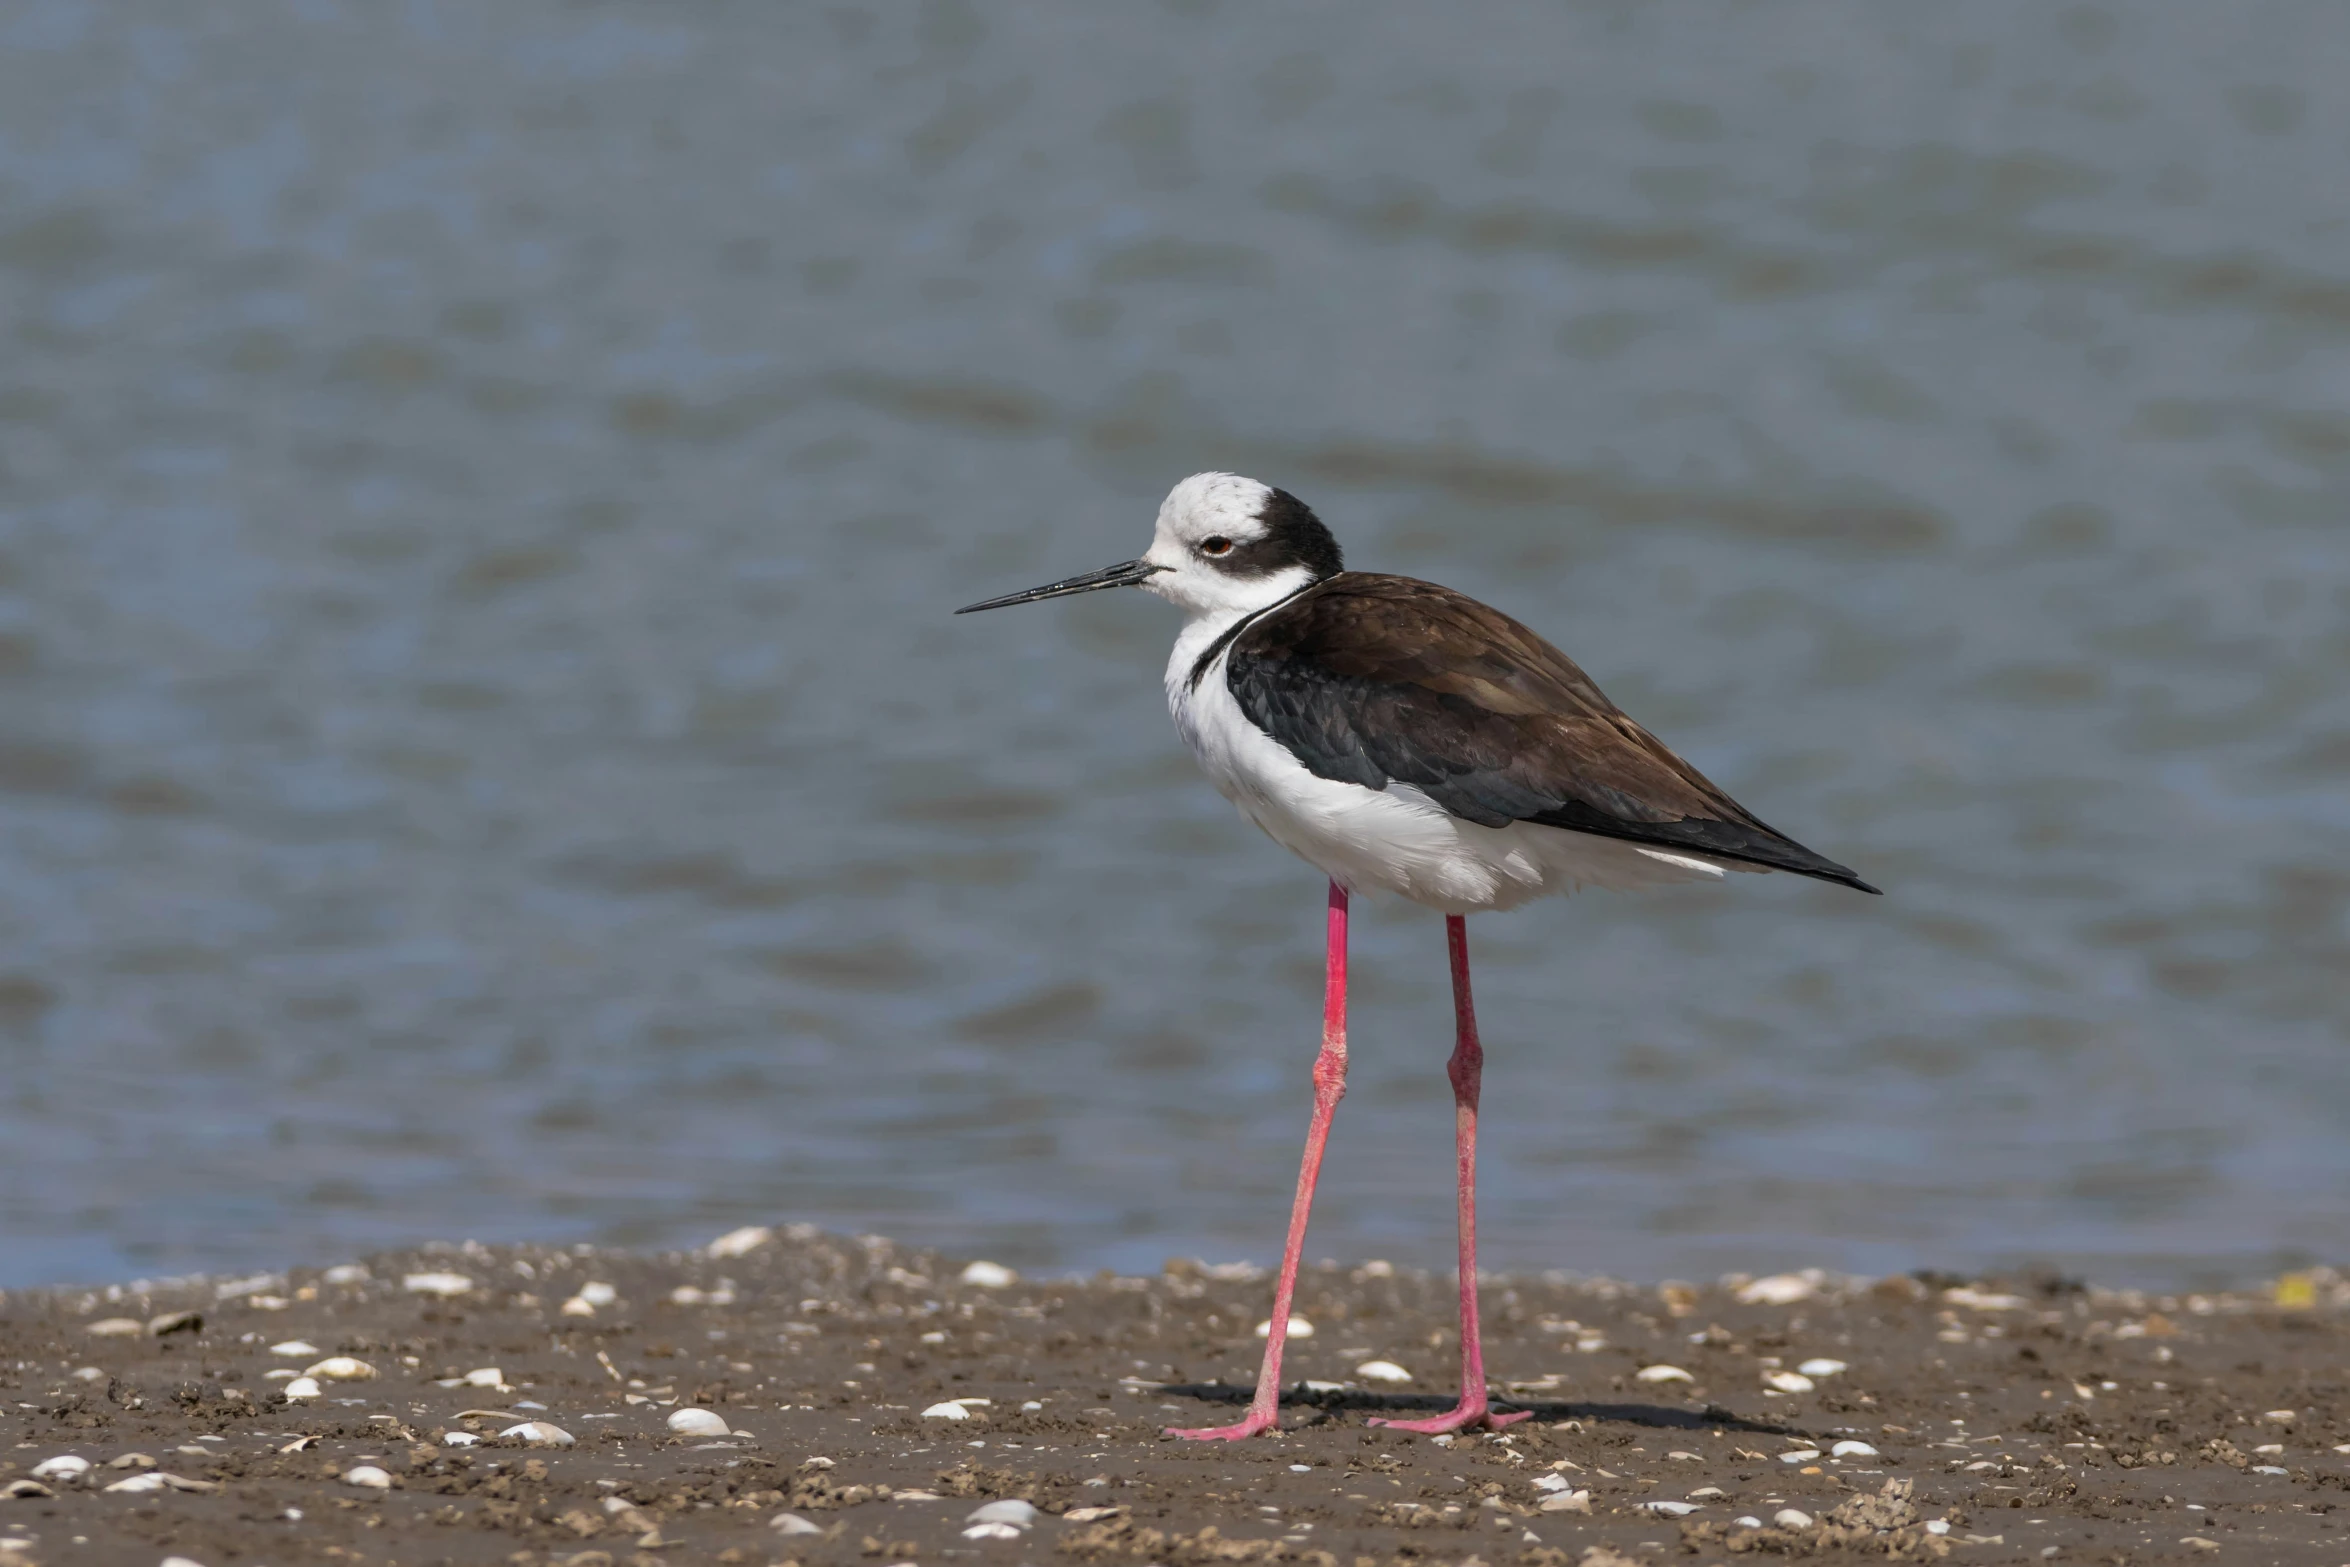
(1396, 839)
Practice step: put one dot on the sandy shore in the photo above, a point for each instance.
(1984, 1422)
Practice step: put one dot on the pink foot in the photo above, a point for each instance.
(1466, 1415)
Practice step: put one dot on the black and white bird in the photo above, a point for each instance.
(1404, 738)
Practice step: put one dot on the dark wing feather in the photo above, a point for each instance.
(1373, 680)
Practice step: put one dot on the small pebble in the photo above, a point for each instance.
(1382, 1371)
(742, 1242)
(1787, 1382)
(991, 1531)
(1852, 1450)
(1299, 1327)
(1031, 1407)
(686, 1295)
(577, 1306)
(459, 1439)
(176, 1322)
(1566, 1502)
(700, 1422)
(598, 1293)
(303, 1387)
(370, 1476)
(1937, 1526)
(442, 1284)
(989, 1275)
(1779, 1289)
(1019, 1514)
(181, 1561)
(1552, 1483)
(1821, 1368)
(540, 1433)
(485, 1376)
(116, 1327)
(342, 1368)
(946, 1412)
(1663, 1374)
(1791, 1518)
(89, 1374)
(1747, 1521)
(793, 1523)
(65, 1466)
(294, 1346)
(1801, 1455)
(346, 1273)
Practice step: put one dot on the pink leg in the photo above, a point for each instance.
(1467, 1070)
(1329, 1088)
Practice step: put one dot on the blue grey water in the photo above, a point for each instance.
(484, 750)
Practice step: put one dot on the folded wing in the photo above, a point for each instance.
(1373, 680)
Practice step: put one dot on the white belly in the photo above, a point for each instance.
(1397, 839)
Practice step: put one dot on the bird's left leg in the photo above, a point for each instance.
(1467, 1071)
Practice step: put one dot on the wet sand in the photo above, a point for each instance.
(2032, 1420)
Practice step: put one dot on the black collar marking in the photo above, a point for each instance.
(1215, 649)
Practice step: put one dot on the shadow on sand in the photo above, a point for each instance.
(1298, 1395)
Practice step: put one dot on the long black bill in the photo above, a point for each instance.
(1123, 575)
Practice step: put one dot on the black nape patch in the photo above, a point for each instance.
(1294, 536)
(1291, 523)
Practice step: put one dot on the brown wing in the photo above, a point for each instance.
(1374, 680)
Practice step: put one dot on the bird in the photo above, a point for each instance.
(1403, 738)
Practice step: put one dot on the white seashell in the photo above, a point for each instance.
(1937, 1526)
(1705, 1491)
(2266, 1469)
(991, 1531)
(181, 1561)
(1031, 1407)
(1788, 1382)
(24, 1490)
(442, 1284)
(1747, 1521)
(540, 1433)
(740, 1243)
(1779, 1289)
(303, 1387)
(1566, 1502)
(346, 1273)
(1673, 1509)
(342, 1368)
(946, 1412)
(460, 1439)
(150, 1481)
(89, 1374)
(1382, 1371)
(1800, 1455)
(598, 1293)
(115, 1327)
(989, 1275)
(1791, 1518)
(1852, 1450)
(1090, 1514)
(1822, 1367)
(294, 1346)
(65, 1466)
(1017, 1513)
(793, 1523)
(697, 1422)
(369, 1476)
(1552, 1483)
(577, 1306)
(1299, 1327)
(816, 1463)
(485, 1376)
(1663, 1374)
(686, 1295)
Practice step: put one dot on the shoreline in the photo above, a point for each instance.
(780, 1396)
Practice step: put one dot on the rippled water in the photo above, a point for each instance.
(483, 749)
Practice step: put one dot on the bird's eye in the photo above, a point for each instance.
(1215, 545)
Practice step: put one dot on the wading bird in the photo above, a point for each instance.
(1401, 737)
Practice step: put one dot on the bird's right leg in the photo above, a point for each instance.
(1329, 1088)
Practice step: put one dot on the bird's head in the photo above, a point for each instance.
(1224, 546)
